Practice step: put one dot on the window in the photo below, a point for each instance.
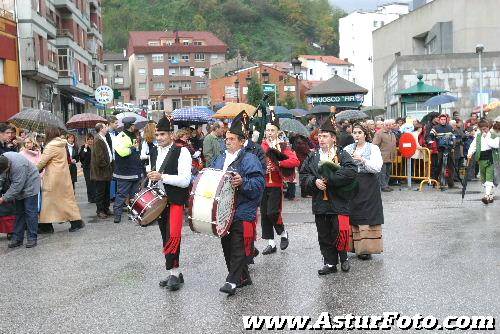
(185, 71)
(310, 71)
(105, 68)
(118, 67)
(158, 72)
(154, 43)
(172, 72)
(214, 56)
(430, 47)
(142, 86)
(140, 57)
(199, 72)
(185, 58)
(142, 71)
(186, 42)
(157, 57)
(119, 81)
(158, 86)
(65, 62)
(174, 59)
(174, 85)
(198, 43)
(186, 85)
(2, 79)
(199, 57)
(201, 85)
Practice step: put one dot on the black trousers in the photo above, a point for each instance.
(102, 200)
(270, 211)
(233, 246)
(328, 231)
(90, 185)
(290, 190)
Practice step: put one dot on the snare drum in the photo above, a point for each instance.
(147, 205)
(212, 203)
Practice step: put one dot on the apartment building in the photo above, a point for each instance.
(116, 74)
(169, 70)
(61, 54)
(9, 65)
(322, 68)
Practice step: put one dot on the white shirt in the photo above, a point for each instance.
(487, 143)
(329, 155)
(230, 159)
(183, 177)
(110, 154)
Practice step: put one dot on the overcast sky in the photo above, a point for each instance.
(350, 5)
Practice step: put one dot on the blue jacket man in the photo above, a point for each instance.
(248, 179)
(128, 167)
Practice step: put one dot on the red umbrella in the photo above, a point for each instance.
(84, 121)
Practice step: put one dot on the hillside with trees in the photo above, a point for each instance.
(270, 30)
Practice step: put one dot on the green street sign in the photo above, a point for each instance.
(268, 88)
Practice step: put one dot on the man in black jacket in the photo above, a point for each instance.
(329, 202)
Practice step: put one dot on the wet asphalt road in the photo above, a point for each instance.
(441, 258)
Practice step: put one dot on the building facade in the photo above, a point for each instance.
(169, 70)
(322, 68)
(61, 54)
(356, 42)
(234, 88)
(9, 66)
(442, 35)
(116, 74)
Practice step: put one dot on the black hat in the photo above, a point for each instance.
(273, 119)
(240, 124)
(329, 125)
(165, 124)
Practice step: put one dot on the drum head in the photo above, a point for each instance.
(151, 214)
(225, 206)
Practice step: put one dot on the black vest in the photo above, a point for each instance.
(175, 194)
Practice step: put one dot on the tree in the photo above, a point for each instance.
(254, 93)
(289, 101)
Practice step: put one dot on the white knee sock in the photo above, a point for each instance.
(271, 243)
(284, 235)
(174, 272)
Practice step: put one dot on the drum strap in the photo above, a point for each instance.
(167, 158)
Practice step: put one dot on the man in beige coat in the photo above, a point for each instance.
(385, 139)
(58, 199)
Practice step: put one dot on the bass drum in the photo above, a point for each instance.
(212, 203)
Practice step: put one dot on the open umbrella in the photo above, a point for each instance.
(84, 121)
(193, 115)
(293, 125)
(36, 120)
(218, 106)
(298, 112)
(320, 109)
(440, 99)
(373, 111)
(232, 109)
(350, 115)
(139, 123)
(493, 113)
(282, 112)
(429, 117)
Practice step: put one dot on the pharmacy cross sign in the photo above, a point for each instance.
(104, 94)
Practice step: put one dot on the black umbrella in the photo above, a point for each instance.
(320, 109)
(36, 120)
(429, 117)
(350, 115)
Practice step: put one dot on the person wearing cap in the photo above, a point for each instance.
(330, 198)
(484, 150)
(171, 168)
(248, 179)
(281, 159)
(443, 134)
(128, 167)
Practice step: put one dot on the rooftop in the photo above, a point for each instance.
(141, 38)
(331, 60)
(114, 56)
(337, 85)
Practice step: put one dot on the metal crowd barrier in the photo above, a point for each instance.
(420, 168)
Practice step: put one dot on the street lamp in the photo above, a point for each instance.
(265, 76)
(297, 67)
(479, 51)
(237, 86)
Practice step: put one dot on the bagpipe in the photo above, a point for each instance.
(275, 154)
(345, 190)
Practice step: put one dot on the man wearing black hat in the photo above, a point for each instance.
(330, 192)
(280, 159)
(128, 166)
(171, 168)
(249, 182)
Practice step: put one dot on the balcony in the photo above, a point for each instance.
(6, 14)
(31, 65)
(65, 33)
(67, 83)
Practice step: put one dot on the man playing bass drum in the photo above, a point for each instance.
(172, 170)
